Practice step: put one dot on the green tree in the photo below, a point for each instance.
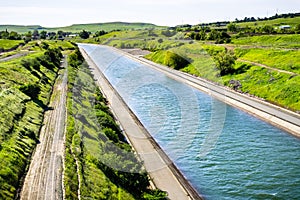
(232, 27)
(4, 34)
(14, 36)
(28, 36)
(100, 33)
(224, 61)
(297, 28)
(84, 34)
(43, 34)
(213, 35)
(267, 29)
(223, 37)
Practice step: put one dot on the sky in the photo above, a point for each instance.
(57, 13)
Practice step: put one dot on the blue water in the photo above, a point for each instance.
(225, 153)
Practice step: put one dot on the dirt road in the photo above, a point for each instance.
(44, 178)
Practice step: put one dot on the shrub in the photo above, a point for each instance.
(32, 90)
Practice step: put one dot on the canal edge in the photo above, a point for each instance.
(190, 192)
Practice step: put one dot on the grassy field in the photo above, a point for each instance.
(275, 22)
(9, 44)
(278, 41)
(288, 60)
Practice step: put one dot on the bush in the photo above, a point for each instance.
(224, 61)
(32, 90)
(175, 61)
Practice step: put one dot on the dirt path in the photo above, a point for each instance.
(44, 178)
(268, 67)
(18, 55)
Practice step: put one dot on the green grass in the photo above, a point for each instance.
(198, 55)
(21, 116)
(283, 41)
(288, 60)
(20, 28)
(9, 44)
(64, 45)
(278, 88)
(275, 22)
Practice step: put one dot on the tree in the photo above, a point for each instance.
(267, 29)
(84, 34)
(100, 33)
(213, 35)
(224, 61)
(14, 36)
(297, 28)
(28, 36)
(43, 34)
(35, 34)
(223, 37)
(232, 27)
(4, 34)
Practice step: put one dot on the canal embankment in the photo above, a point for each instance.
(164, 174)
(273, 114)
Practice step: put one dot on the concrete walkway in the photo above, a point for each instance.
(161, 169)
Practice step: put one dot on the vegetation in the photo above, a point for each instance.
(224, 62)
(84, 34)
(98, 160)
(169, 59)
(288, 60)
(26, 85)
(279, 41)
(6, 44)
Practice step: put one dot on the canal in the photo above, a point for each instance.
(224, 152)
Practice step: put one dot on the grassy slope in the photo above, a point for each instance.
(21, 118)
(20, 28)
(105, 26)
(288, 60)
(9, 44)
(279, 88)
(280, 41)
(275, 22)
(96, 151)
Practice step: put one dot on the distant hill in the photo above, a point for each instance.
(79, 27)
(20, 28)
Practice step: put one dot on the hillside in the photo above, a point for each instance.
(79, 27)
(266, 65)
